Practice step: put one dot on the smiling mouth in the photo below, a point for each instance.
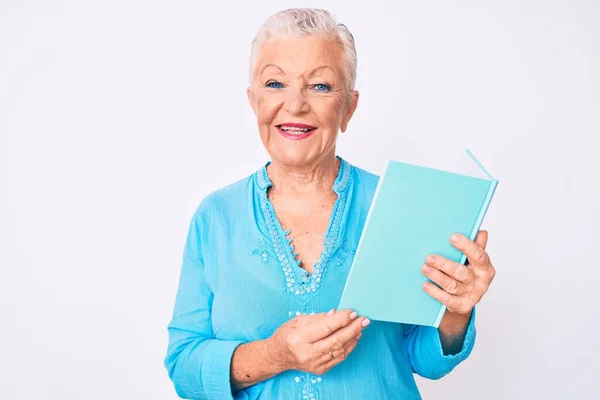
(296, 129)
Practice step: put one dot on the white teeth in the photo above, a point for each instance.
(293, 129)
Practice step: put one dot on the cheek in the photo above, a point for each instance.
(340, 108)
(330, 111)
(267, 107)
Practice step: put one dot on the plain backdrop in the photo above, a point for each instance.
(118, 116)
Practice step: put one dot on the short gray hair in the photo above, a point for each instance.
(302, 22)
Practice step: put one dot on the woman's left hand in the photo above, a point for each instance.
(460, 286)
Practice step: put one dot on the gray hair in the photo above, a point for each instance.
(302, 22)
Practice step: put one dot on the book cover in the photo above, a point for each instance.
(414, 212)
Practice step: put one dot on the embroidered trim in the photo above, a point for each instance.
(342, 254)
(309, 391)
(305, 284)
(263, 250)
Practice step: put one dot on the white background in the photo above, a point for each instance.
(117, 117)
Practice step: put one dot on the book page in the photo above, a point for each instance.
(442, 156)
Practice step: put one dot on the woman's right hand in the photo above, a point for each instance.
(315, 343)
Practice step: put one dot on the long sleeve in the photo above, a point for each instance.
(198, 364)
(425, 351)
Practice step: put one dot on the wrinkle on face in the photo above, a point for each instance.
(299, 67)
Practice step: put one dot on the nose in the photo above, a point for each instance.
(297, 101)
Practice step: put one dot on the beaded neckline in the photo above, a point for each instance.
(297, 280)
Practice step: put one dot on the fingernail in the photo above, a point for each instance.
(353, 315)
(426, 269)
(366, 322)
(430, 259)
(455, 238)
(331, 311)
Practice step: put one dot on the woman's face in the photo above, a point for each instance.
(300, 98)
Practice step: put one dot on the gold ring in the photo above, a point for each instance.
(331, 355)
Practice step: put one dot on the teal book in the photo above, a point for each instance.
(414, 212)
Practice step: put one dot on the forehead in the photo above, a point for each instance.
(300, 55)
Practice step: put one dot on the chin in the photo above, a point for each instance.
(294, 157)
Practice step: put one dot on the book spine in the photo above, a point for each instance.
(472, 236)
(439, 316)
(484, 208)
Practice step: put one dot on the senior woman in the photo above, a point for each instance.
(266, 258)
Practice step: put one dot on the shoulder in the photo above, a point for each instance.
(226, 200)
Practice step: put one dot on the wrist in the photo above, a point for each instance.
(454, 323)
(273, 356)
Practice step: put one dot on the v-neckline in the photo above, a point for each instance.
(298, 281)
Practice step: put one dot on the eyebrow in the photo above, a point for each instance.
(272, 66)
(320, 68)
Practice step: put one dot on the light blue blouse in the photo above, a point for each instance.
(240, 281)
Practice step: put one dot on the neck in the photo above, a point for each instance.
(304, 180)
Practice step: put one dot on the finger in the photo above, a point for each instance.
(482, 239)
(338, 353)
(338, 339)
(475, 253)
(329, 363)
(448, 283)
(450, 268)
(450, 301)
(326, 324)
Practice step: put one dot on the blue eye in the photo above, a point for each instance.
(322, 87)
(274, 85)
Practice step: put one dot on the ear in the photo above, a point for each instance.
(251, 99)
(350, 111)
